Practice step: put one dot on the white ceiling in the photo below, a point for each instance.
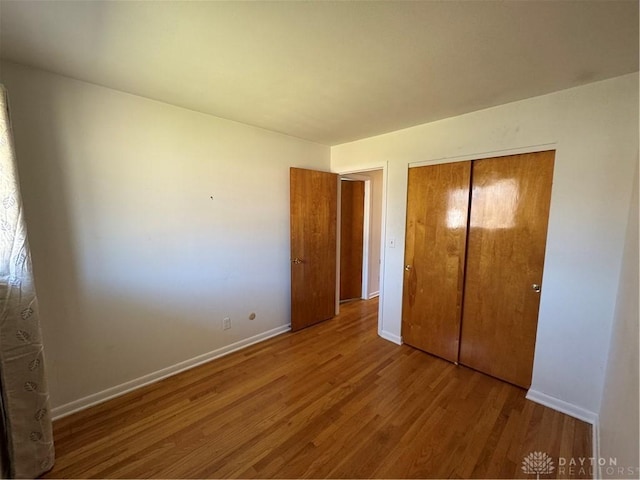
(329, 72)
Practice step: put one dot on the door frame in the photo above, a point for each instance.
(383, 223)
(486, 154)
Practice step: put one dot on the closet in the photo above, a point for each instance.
(474, 254)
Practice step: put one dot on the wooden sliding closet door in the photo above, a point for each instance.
(505, 256)
(437, 206)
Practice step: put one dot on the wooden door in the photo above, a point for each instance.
(314, 198)
(505, 256)
(437, 209)
(351, 238)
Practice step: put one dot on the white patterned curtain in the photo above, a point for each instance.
(26, 449)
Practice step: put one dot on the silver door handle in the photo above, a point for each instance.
(536, 287)
(407, 267)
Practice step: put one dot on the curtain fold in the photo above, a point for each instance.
(26, 419)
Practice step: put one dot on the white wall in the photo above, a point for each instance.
(595, 131)
(619, 411)
(135, 263)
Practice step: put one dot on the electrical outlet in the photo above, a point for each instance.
(226, 323)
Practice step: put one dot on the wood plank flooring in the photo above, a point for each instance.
(331, 401)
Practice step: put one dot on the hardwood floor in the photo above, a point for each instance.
(334, 400)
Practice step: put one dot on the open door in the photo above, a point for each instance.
(314, 198)
(351, 238)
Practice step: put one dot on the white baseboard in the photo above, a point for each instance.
(390, 336)
(118, 390)
(374, 294)
(562, 406)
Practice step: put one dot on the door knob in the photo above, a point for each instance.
(536, 287)
(296, 261)
(407, 267)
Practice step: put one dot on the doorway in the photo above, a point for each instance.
(352, 239)
(361, 227)
(315, 242)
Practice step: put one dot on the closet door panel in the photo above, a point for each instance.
(437, 210)
(505, 257)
